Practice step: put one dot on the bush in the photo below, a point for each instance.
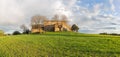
(115, 34)
(1, 33)
(104, 33)
(27, 32)
(16, 33)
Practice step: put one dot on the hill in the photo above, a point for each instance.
(60, 44)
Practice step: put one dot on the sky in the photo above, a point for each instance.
(92, 16)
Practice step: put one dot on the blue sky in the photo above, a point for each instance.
(99, 16)
(92, 16)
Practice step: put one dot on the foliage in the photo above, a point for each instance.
(104, 33)
(115, 34)
(74, 28)
(1, 32)
(16, 33)
(27, 31)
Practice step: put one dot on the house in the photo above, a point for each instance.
(51, 26)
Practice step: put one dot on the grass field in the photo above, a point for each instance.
(60, 44)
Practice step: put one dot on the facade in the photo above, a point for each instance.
(51, 26)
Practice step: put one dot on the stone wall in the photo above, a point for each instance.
(50, 25)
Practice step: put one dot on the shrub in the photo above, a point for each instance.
(26, 32)
(1, 33)
(16, 33)
(104, 33)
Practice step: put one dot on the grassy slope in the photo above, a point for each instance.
(60, 45)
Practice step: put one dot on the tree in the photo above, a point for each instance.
(37, 20)
(56, 17)
(61, 17)
(104, 33)
(64, 18)
(74, 28)
(16, 33)
(25, 29)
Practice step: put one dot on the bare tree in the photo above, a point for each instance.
(64, 18)
(56, 17)
(38, 20)
(25, 29)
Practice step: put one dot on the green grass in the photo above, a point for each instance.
(60, 44)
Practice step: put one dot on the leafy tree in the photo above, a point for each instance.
(16, 33)
(27, 31)
(74, 28)
(104, 33)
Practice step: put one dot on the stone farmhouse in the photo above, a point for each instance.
(51, 26)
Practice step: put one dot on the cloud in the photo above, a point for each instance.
(97, 8)
(17, 12)
(112, 5)
(10, 12)
(92, 21)
(14, 13)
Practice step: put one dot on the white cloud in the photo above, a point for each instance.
(17, 12)
(112, 5)
(10, 12)
(97, 8)
(94, 21)
(13, 13)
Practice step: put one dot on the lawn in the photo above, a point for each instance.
(60, 44)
